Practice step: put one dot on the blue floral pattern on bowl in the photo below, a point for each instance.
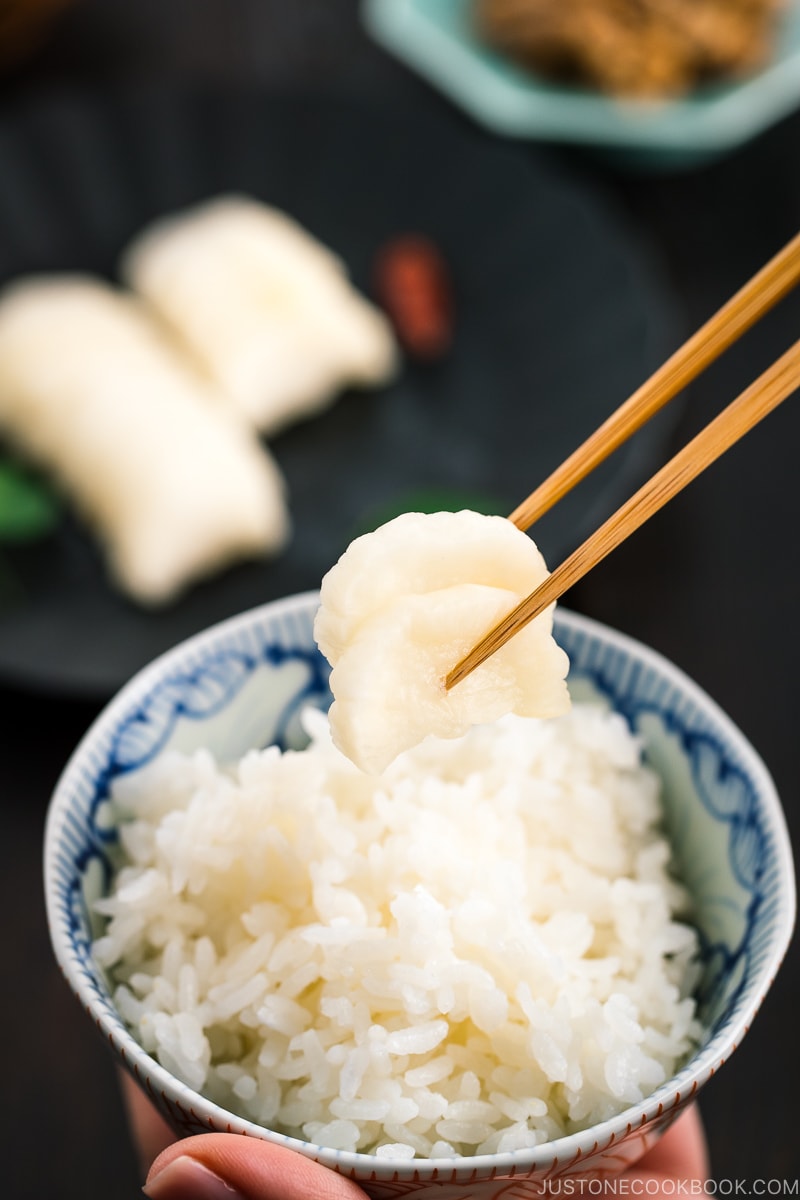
(245, 682)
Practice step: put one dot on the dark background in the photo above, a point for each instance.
(712, 581)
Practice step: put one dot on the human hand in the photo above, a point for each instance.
(222, 1166)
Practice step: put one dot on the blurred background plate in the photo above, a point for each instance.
(559, 316)
(438, 39)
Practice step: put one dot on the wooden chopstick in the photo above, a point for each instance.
(777, 383)
(762, 292)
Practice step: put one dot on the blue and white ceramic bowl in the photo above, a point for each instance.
(244, 682)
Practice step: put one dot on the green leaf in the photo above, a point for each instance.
(28, 508)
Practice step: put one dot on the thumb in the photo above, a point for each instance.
(228, 1166)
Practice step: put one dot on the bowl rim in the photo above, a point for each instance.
(664, 1102)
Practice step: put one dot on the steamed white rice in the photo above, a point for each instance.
(477, 952)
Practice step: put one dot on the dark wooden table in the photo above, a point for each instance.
(713, 581)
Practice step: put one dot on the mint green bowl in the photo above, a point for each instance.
(437, 39)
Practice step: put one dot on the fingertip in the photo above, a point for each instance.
(245, 1167)
(185, 1178)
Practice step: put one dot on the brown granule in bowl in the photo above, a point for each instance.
(647, 48)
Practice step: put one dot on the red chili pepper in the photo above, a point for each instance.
(412, 284)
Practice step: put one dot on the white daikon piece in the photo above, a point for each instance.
(266, 310)
(401, 608)
(92, 391)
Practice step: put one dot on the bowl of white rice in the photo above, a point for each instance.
(514, 955)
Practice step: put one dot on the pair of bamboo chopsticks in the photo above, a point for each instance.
(778, 382)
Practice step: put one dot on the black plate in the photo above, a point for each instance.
(558, 319)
